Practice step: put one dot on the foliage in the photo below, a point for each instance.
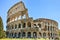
(24, 39)
(2, 34)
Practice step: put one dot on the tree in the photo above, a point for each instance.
(2, 34)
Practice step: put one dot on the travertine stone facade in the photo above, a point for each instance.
(20, 25)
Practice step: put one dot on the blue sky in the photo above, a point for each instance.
(36, 8)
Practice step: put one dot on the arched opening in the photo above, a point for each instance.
(29, 35)
(29, 24)
(35, 25)
(12, 34)
(19, 35)
(44, 35)
(12, 27)
(15, 26)
(15, 35)
(57, 38)
(19, 26)
(23, 34)
(45, 27)
(39, 25)
(50, 34)
(24, 24)
(34, 35)
(48, 28)
(40, 34)
(52, 28)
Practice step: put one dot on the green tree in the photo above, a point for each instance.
(2, 34)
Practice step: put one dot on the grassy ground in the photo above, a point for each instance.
(23, 39)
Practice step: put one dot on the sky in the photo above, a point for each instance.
(36, 8)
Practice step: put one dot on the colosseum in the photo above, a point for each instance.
(20, 25)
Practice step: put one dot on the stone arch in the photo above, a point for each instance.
(39, 25)
(24, 25)
(40, 34)
(29, 34)
(44, 35)
(35, 25)
(29, 24)
(19, 26)
(15, 35)
(12, 27)
(19, 35)
(15, 26)
(45, 27)
(34, 35)
(23, 34)
(48, 28)
(12, 34)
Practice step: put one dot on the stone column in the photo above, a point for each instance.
(17, 26)
(26, 24)
(32, 25)
(26, 34)
(47, 35)
(14, 18)
(14, 27)
(17, 34)
(47, 27)
(31, 34)
(21, 25)
(21, 21)
(42, 34)
(37, 34)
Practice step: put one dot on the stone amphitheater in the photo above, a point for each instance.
(20, 25)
